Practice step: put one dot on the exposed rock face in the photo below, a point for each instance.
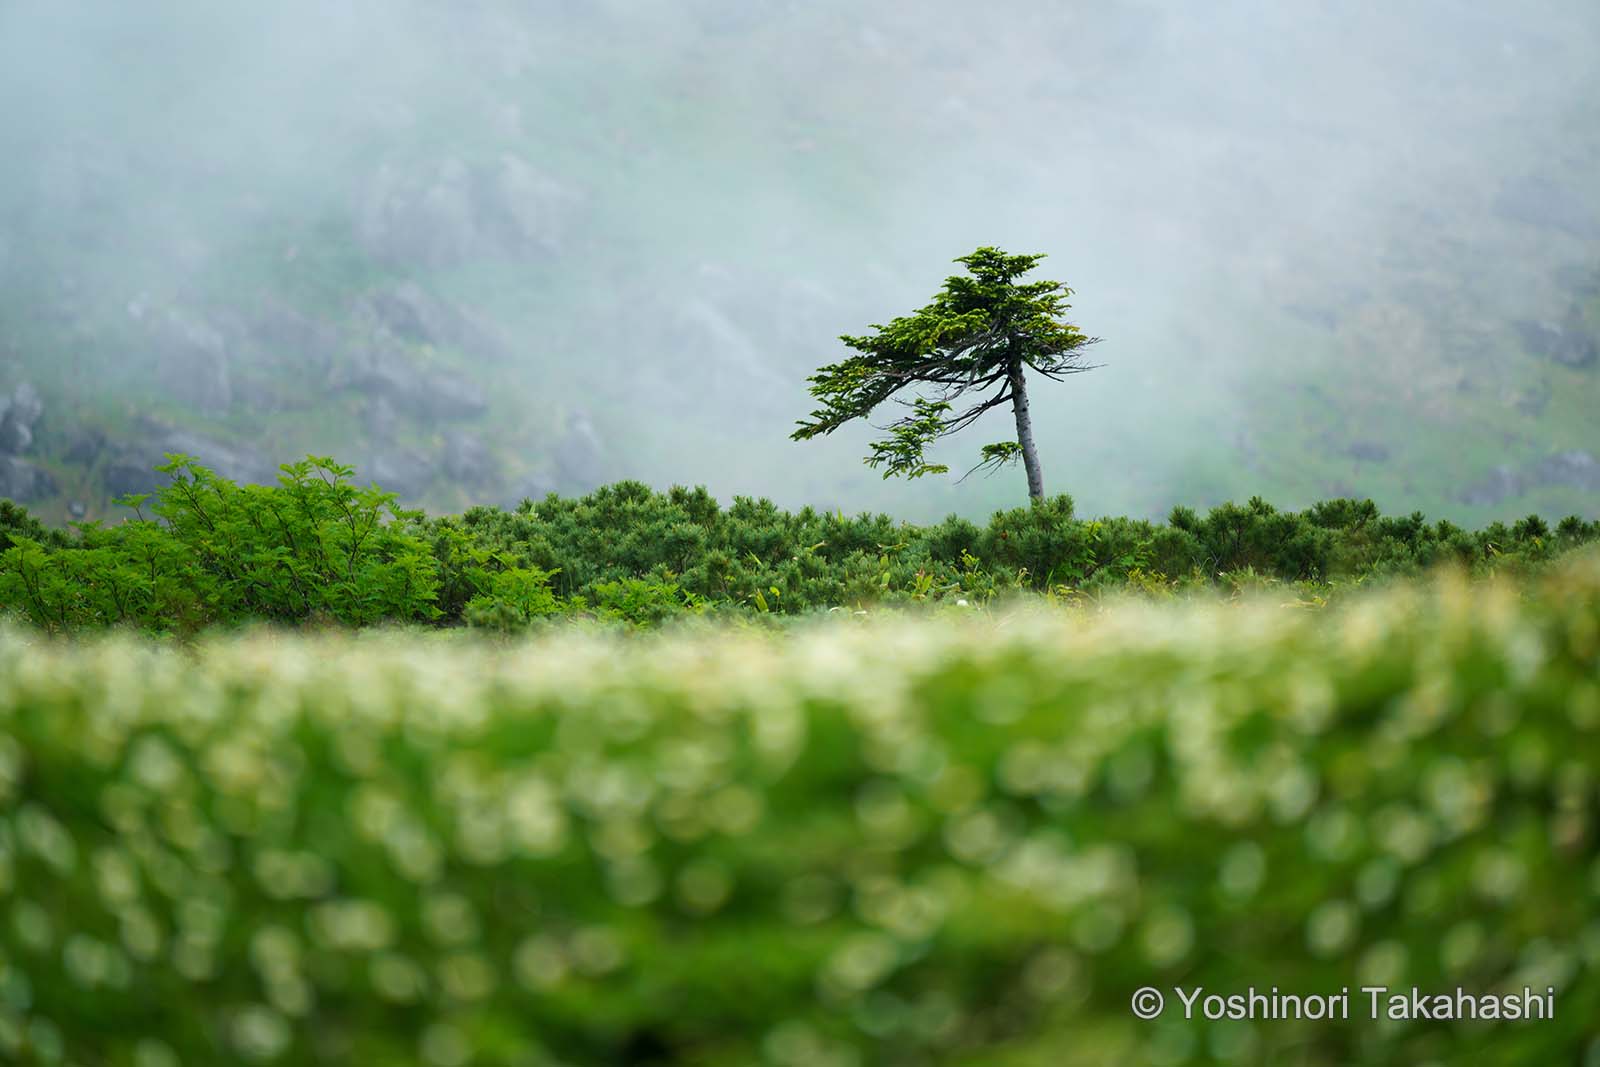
(86, 445)
(19, 413)
(409, 312)
(412, 315)
(287, 338)
(386, 370)
(467, 460)
(455, 213)
(23, 481)
(1368, 451)
(747, 331)
(192, 361)
(400, 470)
(241, 463)
(380, 420)
(1531, 400)
(1568, 344)
(129, 473)
(131, 469)
(1502, 483)
(1576, 470)
(580, 455)
(218, 359)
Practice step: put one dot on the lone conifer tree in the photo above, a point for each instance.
(978, 336)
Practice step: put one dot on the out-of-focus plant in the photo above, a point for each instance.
(964, 839)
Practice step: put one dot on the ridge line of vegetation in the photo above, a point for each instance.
(204, 551)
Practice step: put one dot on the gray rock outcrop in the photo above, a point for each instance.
(1575, 469)
(1568, 344)
(19, 413)
(467, 460)
(397, 470)
(455, 212)
(85, 445)
(284, 337)
(387, 370)
(380, 420)
(411, 313)
(24, 482)
(192, 361)
(131, 467)
(1368, 451)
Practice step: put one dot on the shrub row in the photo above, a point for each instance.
(906, 844)
(317, 547)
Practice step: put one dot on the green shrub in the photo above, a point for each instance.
(316, 547)
(1042, 540)
(645, 601)
(312, 547)
(513, 598)
(15, 523)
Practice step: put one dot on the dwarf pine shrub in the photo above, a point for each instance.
(317, 547)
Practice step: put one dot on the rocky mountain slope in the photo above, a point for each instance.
(487, 250)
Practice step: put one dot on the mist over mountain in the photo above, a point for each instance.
(489, 249)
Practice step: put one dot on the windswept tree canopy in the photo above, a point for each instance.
(951, 361)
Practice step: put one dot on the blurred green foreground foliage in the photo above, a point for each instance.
(958, 840)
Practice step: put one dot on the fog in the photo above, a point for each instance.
(491, 249)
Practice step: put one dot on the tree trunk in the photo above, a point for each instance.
(1030, 455)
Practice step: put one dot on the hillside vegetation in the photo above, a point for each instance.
(486, 250)
(953, 842)
(205, 551)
